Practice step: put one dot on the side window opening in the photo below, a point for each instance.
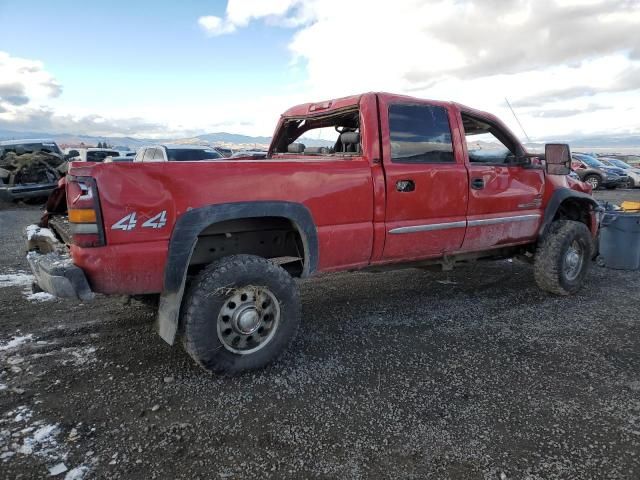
(420, 134)
(486, 143)
(337, 134)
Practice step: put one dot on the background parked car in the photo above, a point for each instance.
(176, 153)
(596, 173)
(92, 154)
(30, 146)
(633, 160)
(225, 152)
(29, 169)
(632, 172)
(257, 154)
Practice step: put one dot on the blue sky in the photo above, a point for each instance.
(569, 67)
(122, 51)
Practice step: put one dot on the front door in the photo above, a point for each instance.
(426, 179)
(505, 196)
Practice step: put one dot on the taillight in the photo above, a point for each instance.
(84, 212)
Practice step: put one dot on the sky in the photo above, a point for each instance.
(570, 68)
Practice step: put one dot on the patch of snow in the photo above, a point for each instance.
(2, 387)
(25, 280)
(77, 473)
(57, 469)
(33, 230)
(37, 438)
(42, 443)
(6, 456)
(40, 297)
(76, 356)
(23, 414)
(82, 356)
(15, 342)
(18, 279)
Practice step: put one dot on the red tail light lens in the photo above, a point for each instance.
(84, 212)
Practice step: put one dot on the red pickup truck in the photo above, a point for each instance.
(405, 182)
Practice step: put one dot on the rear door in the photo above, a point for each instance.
(505, 198)
(425, 178)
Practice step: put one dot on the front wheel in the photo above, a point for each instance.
(594, 181)
(562, 258)
(241, 313)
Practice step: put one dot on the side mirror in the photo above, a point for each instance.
(558, 158)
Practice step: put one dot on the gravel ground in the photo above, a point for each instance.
(473, 373)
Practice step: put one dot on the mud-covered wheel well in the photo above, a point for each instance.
(274, 238)
(574, 209)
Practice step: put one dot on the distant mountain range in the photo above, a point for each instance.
(233, 140)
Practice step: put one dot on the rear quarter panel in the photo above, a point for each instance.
(338, 192)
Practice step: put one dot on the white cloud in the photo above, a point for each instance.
(215, 25)
(536, 52)
(23, 82)
(240, 12)
(566, 65)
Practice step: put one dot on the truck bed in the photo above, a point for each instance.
(60, 224)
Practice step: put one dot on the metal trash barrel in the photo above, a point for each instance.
(620, 240)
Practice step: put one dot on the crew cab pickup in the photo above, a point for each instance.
(401, 182)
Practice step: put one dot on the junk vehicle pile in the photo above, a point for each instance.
(29, 169)
(221, 242)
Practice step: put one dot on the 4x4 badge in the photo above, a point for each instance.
(130, 221)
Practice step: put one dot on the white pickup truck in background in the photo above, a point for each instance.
(95, 154)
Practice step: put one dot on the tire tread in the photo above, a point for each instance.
(547, 262)
(207, 282)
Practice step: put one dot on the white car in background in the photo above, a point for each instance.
(93, 154)
(632, 172)
(176, 153)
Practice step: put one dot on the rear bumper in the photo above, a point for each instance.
(52, 267)
(22, 192)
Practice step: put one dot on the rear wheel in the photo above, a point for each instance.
(631, 183)
(241, 313)
(594, 181)
(562, 259)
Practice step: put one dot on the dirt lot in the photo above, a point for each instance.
(473, 373)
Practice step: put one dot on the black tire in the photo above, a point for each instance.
(631, 183)
(594, 180)
(553, 257)
(208, 302)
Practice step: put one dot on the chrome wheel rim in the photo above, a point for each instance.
(248, 320)
(573, 260)
(593, 182)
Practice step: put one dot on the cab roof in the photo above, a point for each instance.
(325, 106)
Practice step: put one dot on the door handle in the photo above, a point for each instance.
(405, 185)
(477, 183)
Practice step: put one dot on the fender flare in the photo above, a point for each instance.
(559, 196)
(185, 236)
